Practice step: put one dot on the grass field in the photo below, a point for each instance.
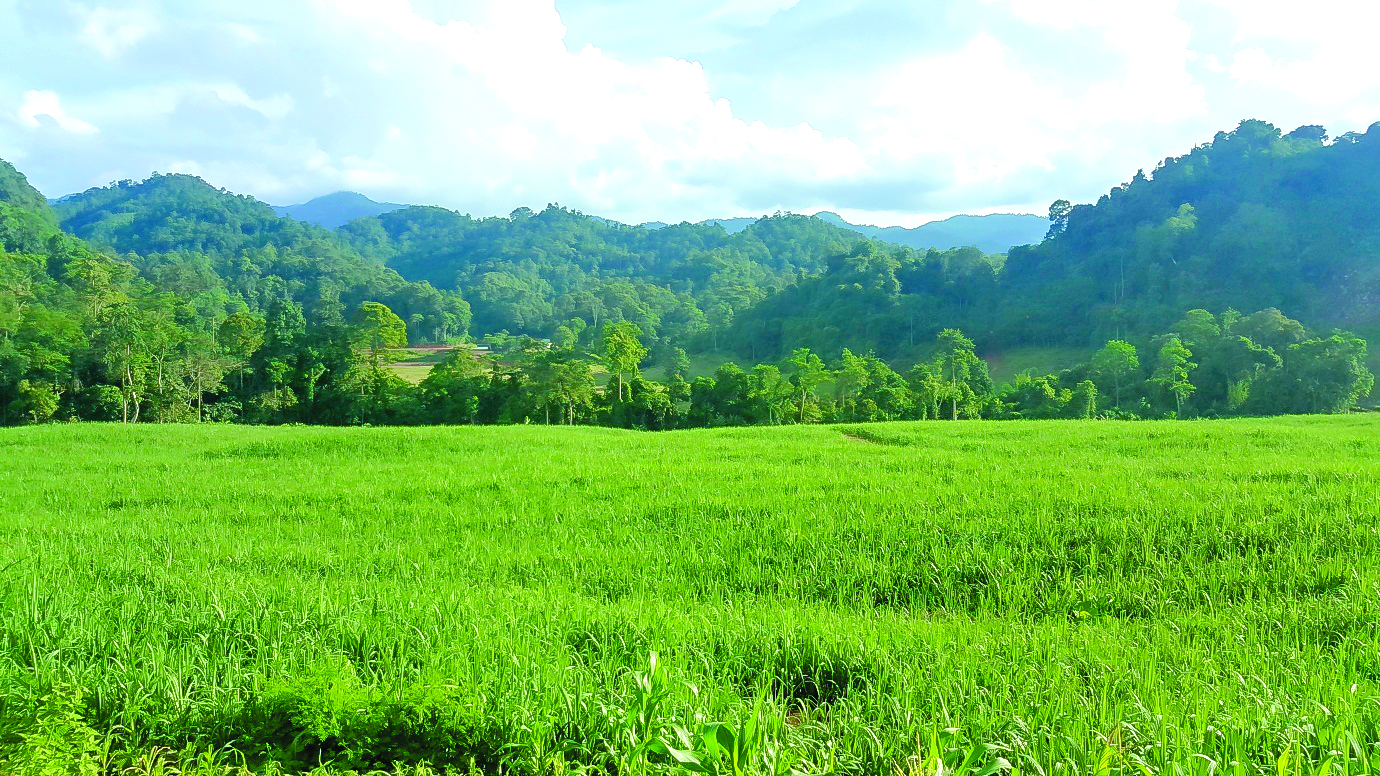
(1049, 597)
(415, 364)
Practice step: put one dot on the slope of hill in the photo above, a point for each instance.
(539, 273)
(16, 191)
(1255, 219)
(180, 212)
(336, 210)
(178, 225)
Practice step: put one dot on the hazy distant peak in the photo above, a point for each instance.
(333, 211)
(991, 234)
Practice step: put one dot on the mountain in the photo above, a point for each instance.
(730, 225)
(179, 229)
(990, 234)
(1257, 219)
(16, 192)
(538, 273)
(336, 210)
(180, 212)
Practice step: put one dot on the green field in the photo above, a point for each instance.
(1055, 597)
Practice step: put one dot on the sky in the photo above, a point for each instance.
(885, 111)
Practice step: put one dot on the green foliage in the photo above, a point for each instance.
(1173, 372)
(219, 309)
(57, 741)
(378, 328)
(534, 273)
(220, 250)
(1116, 364)
(623, 351)
(1254, 219)
(16, 192)
(327, 715)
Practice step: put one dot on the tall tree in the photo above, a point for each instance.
(963, 375)
(623, 350)
(809, 373)
(1172, 371)
(1117, 363)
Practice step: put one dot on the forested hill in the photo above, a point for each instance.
(1255, 219)
(189, 237)
(554, 274)
(182, 213)
(560, 273)
(16, 192)
(990, 234)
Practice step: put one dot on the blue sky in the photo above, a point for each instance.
(888, 112)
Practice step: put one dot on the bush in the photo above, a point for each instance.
(329, 716)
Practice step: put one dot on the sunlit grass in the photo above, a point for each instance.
(1199, 596)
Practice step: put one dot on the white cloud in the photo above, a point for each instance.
(665, 111)
(39, 105)
(112, 31)
(607, 134)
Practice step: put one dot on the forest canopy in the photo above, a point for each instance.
(171, 300)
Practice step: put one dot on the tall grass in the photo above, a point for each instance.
(1034, 597)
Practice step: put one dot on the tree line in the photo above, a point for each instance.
(104, 344)
(1207, 366)
(1256, 218)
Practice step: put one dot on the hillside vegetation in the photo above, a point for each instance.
(171, 300)
(1255, 219)
(1058, 597)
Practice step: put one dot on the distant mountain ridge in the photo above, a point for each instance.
(990, 234)
(336, 210)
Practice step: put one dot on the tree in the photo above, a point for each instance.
(561, 381)
(963, 379)
(240, 336)
(1328, 375)
(36, 403)
(1117, 363)
(623, 350)
(124, 352)
(1084, 401)
(1034, 397)
(770, 392)
(809, 373)
(377, 328)
(679, 365)
(851, 376)
(204, 367)
(928, 389)
(1172, 371)
(452, 392)
(1059, 217)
